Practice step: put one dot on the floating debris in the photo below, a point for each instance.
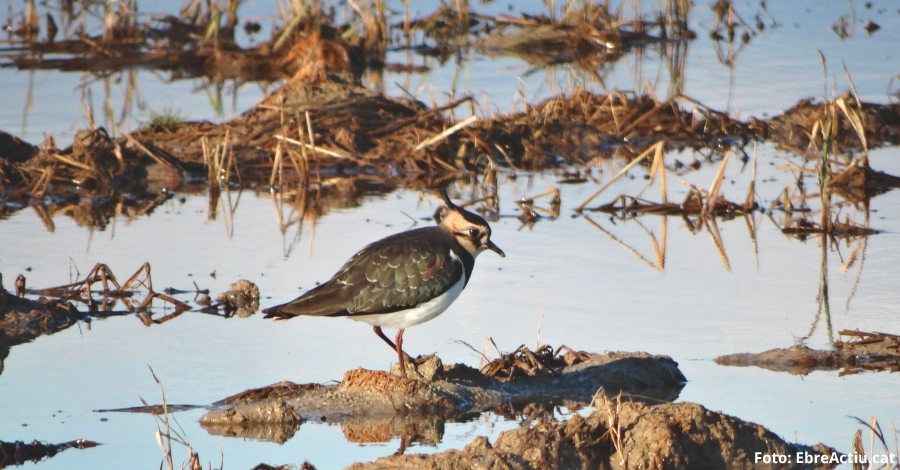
(864, 351)
(241, 299)
(17, 453)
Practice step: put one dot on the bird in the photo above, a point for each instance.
(402, 280)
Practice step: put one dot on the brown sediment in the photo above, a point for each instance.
(864, 351)
(200, 40)
(22, 320)
(858, 182)
(364, 136)
(241, 299)
(327, 130)
(17, 453)
(792, 130)
(274, 422)
(195, 44)
(802, 227)
(441, 393)
(620, 434)
(693, 205)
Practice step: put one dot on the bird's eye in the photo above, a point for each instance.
(473, 232)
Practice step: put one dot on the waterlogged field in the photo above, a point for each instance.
(641, 266)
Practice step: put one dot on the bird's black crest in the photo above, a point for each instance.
(449, 205)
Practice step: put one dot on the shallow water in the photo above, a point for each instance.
(582, 288)
(778, 67)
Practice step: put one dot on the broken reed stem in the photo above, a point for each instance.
(553, 191)
(620, 243)
(312, 142)
(331, 153)
(823, 177)
(856, 121)
(717, 241)
(751, 190)
(852, 86)
(277, 167)
(71, 162)
(661, 254)
(659, 165)
(646, 115)
(167, 447)
(447, 133)
(713, 196)
(614, 426)
(621, 172)
(161, 161)
(304, 173)
(505, 155)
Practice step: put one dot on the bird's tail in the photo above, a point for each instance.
(278, 314)
(324, 300)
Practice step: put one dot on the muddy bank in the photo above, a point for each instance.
(639, 428)
(316, 130)
(375, 405)
(328, 140)
(862, 352)
(620, 434)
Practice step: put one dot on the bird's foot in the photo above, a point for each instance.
(427, 368)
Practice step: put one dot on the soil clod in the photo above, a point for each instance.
(17, 453)
(618, 435)
(371, 404)
(864, 351)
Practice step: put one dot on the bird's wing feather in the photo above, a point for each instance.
(395, 273)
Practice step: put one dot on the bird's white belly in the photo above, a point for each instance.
(420, 314)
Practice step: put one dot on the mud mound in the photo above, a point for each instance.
(622, 435)
(366, 400)
(17, 453)
(880, 123)
(864, 351)
(22, 320)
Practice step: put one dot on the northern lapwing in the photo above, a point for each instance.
(402, 280)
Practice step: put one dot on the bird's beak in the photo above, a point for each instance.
(496, 249)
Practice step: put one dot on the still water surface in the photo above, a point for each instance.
(590, 293)
(584, 290)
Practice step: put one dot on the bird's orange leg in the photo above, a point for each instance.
(400, 353)
(377, 330)
(398, 347)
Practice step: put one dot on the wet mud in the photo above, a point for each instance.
(373, 406)
(880, 124)
(619, 434)
(23, 320)
(324, 127)
(634, 423)
(325, 141)
(330, 130)
(17, 453)
(862, 352)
